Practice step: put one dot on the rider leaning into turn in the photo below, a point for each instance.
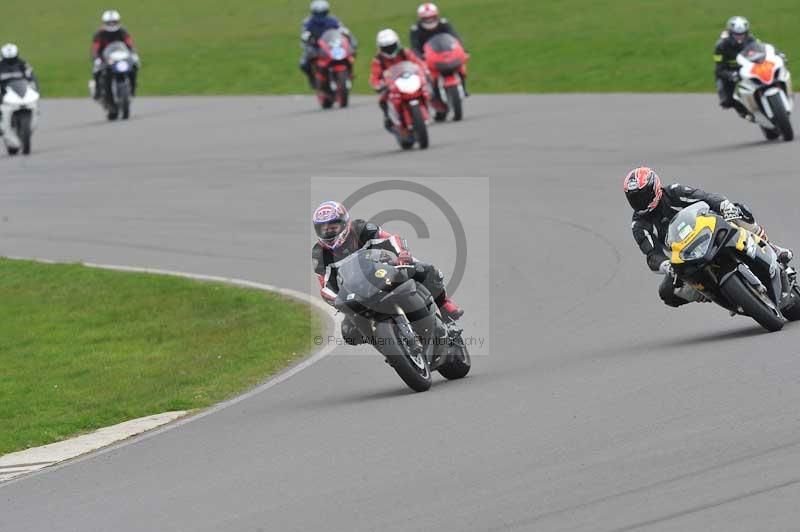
(314, 26)
(654, 207)
(390, 52)
(735, 38)
(12, 67)
(111, 31)
(338, 237)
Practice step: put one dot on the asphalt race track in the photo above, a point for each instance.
(598, 409)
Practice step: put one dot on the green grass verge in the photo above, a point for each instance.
(82, 348)
(251, 47)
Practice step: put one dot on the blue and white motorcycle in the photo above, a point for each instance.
(118, 67)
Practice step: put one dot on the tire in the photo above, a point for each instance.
(342, 92)
(416, 377)
(781, 117)
(793, 313)
(123, 98)
(420, 127)
(455, 102)
(457, 368)
(741, 293)
(770, 134)
(24, 131)
(414, 371)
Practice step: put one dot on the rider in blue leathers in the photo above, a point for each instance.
(314, 26)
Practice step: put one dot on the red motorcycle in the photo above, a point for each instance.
(447, 62)
(408, 104)
(334, 68)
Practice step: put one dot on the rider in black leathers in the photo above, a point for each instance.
(654, 207)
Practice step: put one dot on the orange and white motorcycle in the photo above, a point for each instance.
(765, 89)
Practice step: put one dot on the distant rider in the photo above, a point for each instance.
(428, 24)
(314, 26)
(732, 40)
(390, 53)
(338, 237)
(654, 207)
(111, 31)
(12, 67)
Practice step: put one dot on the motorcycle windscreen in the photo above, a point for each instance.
(403, 69)
(684, 222)
(365, 275)
(333, 38)
(116, 51)
(443, 42)
(19, 86)
(755, 52)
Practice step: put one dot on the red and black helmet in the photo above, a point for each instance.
(643, 189)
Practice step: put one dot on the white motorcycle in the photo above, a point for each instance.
(20, 110)
(765, 89)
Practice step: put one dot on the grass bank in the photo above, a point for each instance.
(82, 348)
(249, 47)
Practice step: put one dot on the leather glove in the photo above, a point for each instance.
(404, 258)
(730, 211)
(97, 64)
(666, 268)
(734, 77)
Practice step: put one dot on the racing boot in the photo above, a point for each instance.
(743, 112)
(785, 255)
(312, 78)
(449, 309)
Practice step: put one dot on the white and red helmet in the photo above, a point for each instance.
(428, 15)
(643, 189)
(331, 224)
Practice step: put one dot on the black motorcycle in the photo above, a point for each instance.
(732, 267)
(398, 316)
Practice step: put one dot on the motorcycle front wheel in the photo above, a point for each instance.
(24, 131)
(455, 102)
(781, 117)
(342, 92)
(420, 127)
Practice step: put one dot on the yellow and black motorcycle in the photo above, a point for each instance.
(732, 267)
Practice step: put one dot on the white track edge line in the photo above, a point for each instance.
(282, 376)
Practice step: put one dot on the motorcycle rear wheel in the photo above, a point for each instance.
(781, 117)
(458, 367)
(420, 127)
(793, 313)
(743, 294)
